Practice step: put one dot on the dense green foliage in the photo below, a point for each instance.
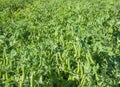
(59, 43)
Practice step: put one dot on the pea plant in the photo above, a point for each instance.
(59, 43)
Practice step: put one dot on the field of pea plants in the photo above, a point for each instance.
(59, 43)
